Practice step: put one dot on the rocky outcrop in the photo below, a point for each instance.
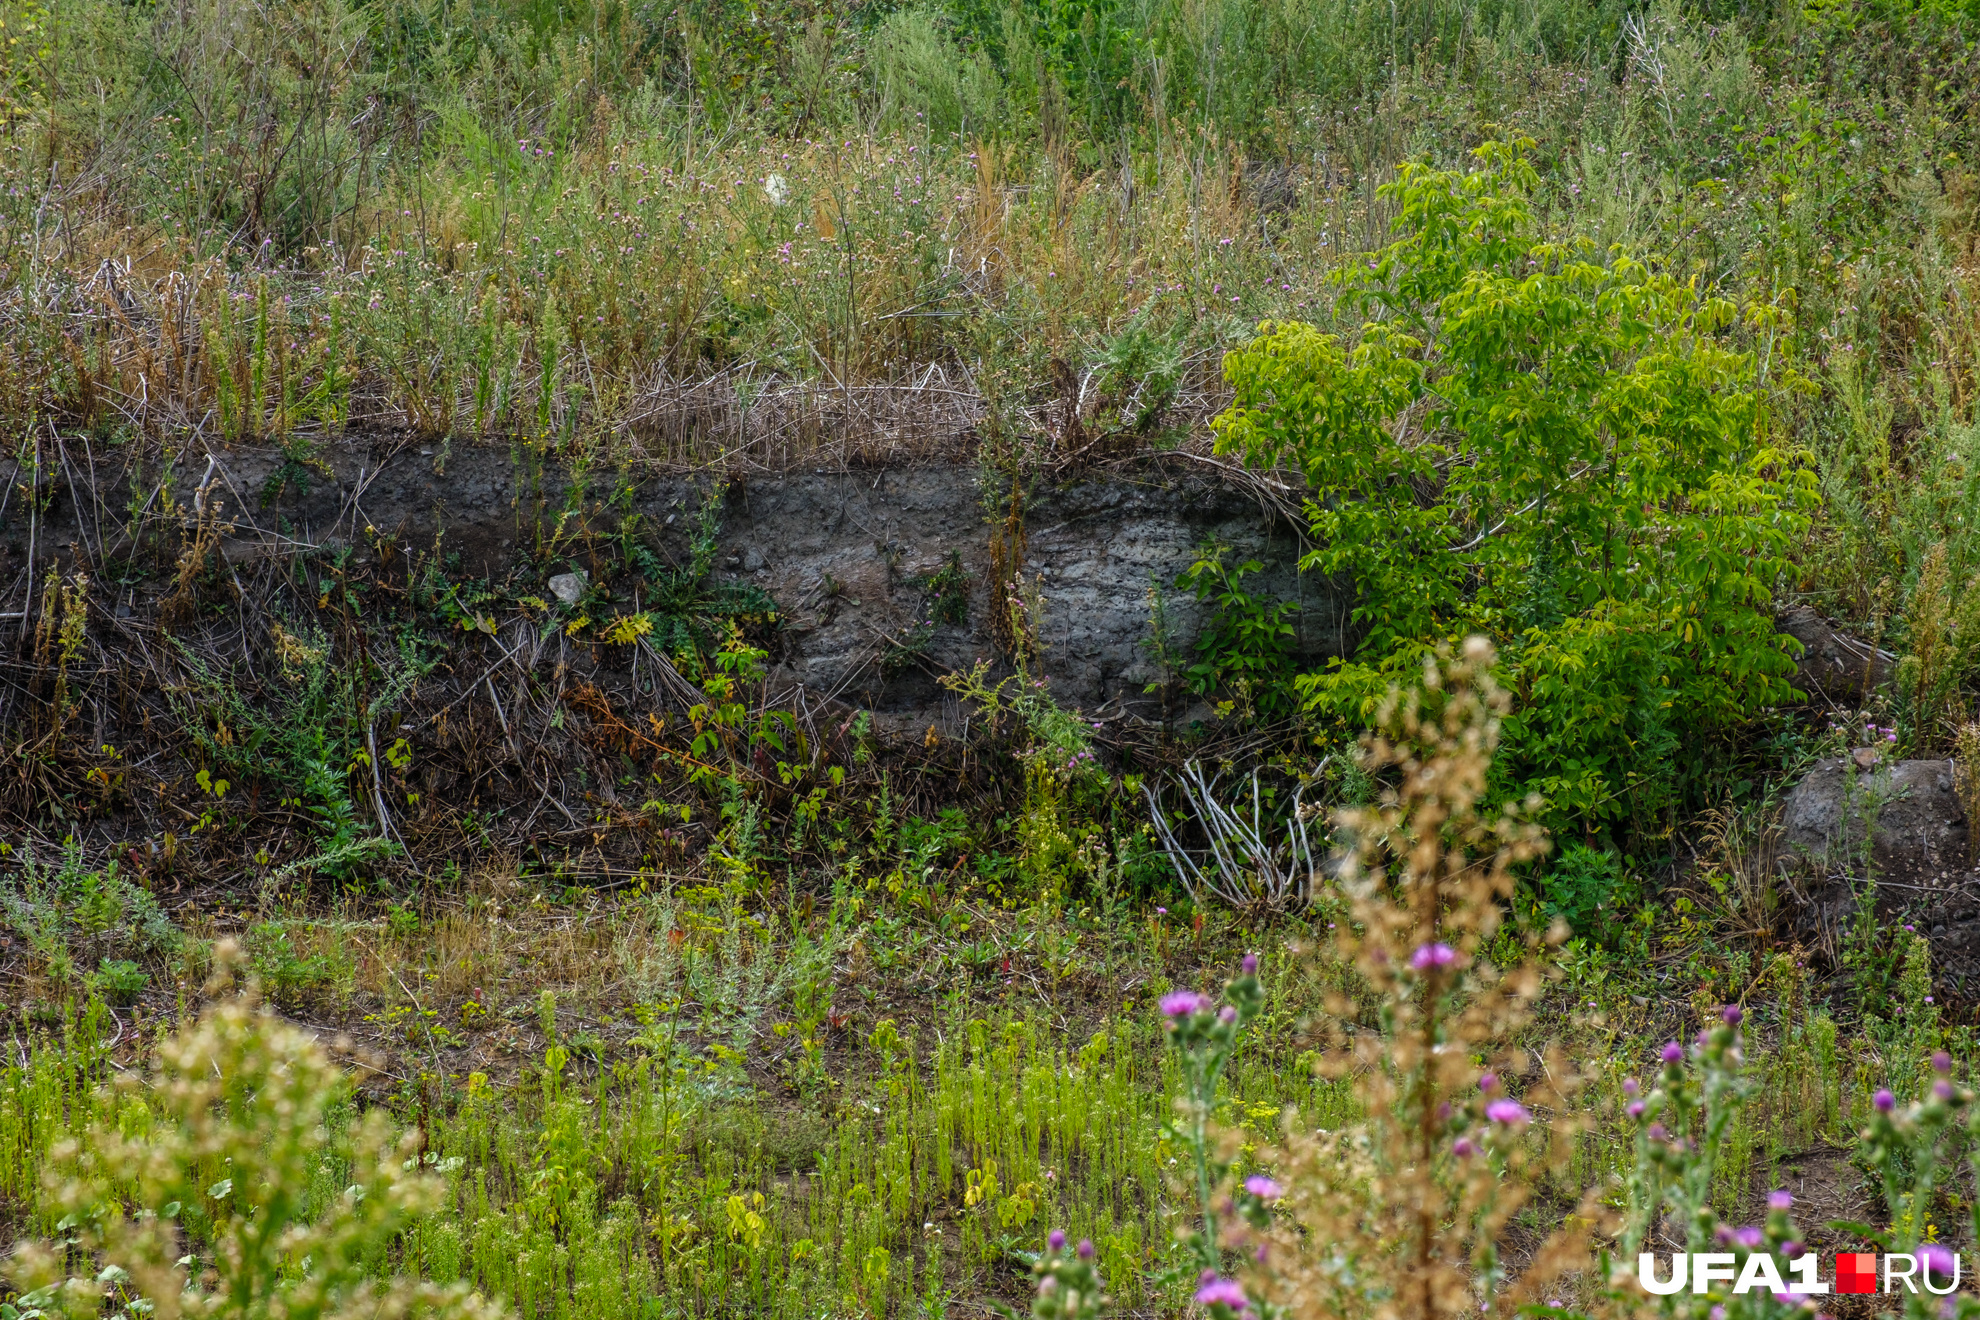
(846, 553)
(1902, 823)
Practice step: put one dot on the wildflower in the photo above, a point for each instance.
(1506, 1111)
(1433, 955)
(1161, 912)
(1056, 1240)
(1911, 929)
(1884, 1101)
(1634, 1109)
(1656, 1132)
(1227, 1291)
(1936, 1259)
(1792, 1249)
(1942, 1089)
(1487, 1081)
(1629, 1086)
(1928, 999)
(1263, 1187)
(1717, 1313)
(1462, 1148)
(1085, 1248)
(1942, 1062)
(1182, 1003)
(1732, 1013)
(1748, 1237)
(1227, 1015)
(1673, 1052)
(1780, 1199)
(1250, 964)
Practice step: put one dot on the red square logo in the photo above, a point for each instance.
(1856, 1271)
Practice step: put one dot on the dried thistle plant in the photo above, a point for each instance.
(1404, 1214)
(1966, 782)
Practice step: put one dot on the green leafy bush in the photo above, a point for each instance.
(122, 980)
(1246, 645)
(1588, 888)
(1559, 451)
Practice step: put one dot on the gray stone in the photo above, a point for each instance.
(567, 587)
(1834, 665)
(1902, 823)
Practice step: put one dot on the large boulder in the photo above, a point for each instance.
(1897, 821)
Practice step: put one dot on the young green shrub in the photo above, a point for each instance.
(198, 1197)
(1561, 452)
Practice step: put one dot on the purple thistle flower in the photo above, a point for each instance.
(1937, 1259)
(1506, 1111)
(1432, 955)
(1732, 1013)
(1634, 1109)
(1487, 1081)
(1942, 1089)
(1792, 1250)
(1673, 1052)
(1085, 1248)
(1056, 1240)
(1182, 1003)
(1250, 964)
(1462, 1148)
(1780, 1199)
(1227, 1015)
(1656, 1132)
(1629, 1086)
(1263, 1187)
(1942, 1062)
(1748, 1237)
(1884, 1101)
(1228, 1292)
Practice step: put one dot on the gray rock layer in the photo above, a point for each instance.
(845, 553)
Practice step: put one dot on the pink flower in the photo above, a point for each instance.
(1182, 1003)
(1263, 1187)
(1780, 1199)
(1673, 1052)
(1228, 1292)
(1507, 1111)
(1884, 1101)
(1433, 955)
